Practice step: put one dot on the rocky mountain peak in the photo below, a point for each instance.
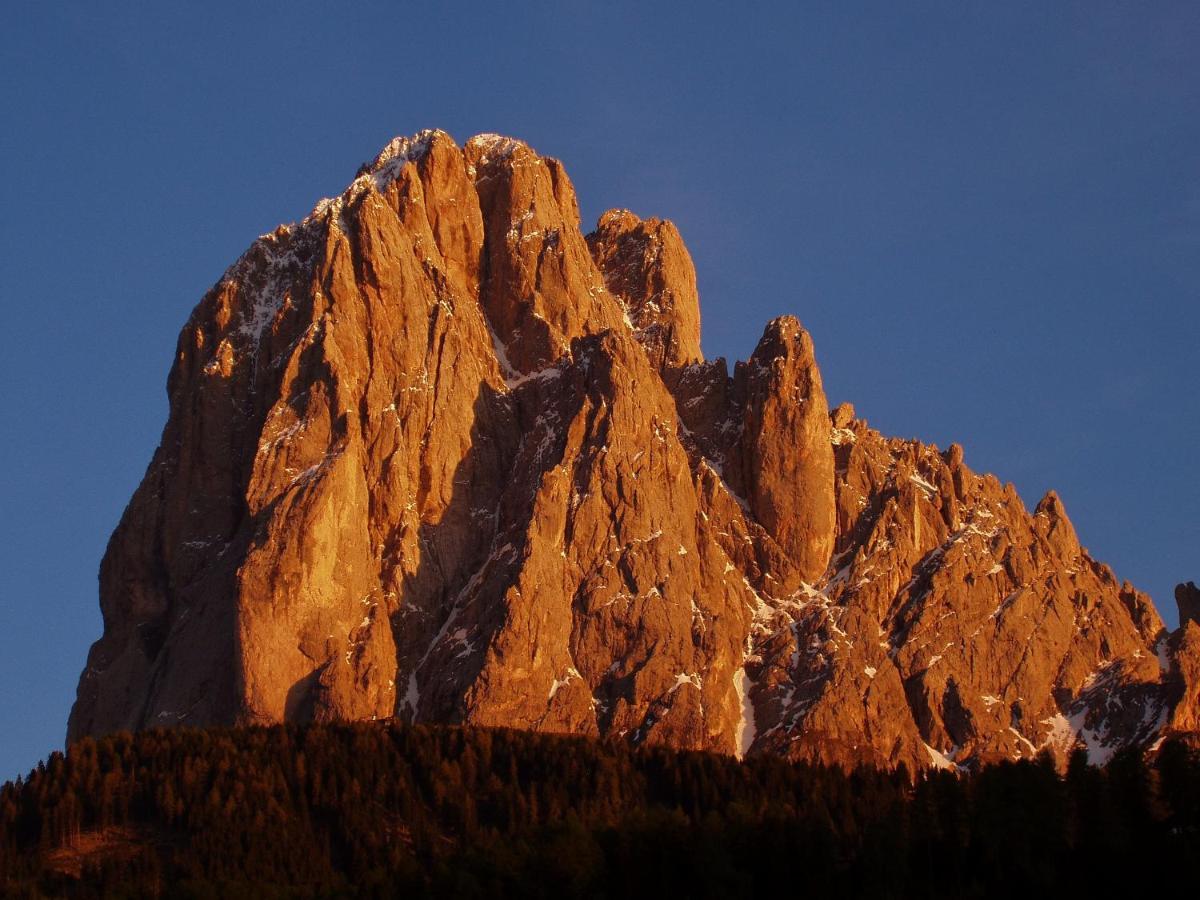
(434, 454)
(646, 265)
(399, 151)
(1187, 599)
(485, 149)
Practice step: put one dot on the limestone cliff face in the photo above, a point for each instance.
(432, 453)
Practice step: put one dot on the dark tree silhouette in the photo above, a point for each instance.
(383, 810)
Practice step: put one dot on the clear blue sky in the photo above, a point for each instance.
(988, 215)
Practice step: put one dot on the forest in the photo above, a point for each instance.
(390, 810)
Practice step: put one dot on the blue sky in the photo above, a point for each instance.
(988, 215)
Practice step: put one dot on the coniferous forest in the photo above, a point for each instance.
(385, 810)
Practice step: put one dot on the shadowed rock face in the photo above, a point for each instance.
(434, 454)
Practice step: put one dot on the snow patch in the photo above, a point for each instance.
(939, 760)
(1160, 650)
(570, 675)
(840, 436)
(1061, 735)
(412, 697)
(692, 678)
(746, 730)
(923, 485)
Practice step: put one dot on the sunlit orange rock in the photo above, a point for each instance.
(434, 454)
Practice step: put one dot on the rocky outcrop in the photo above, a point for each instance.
(1187, 599)
(786, 453)
(648, 267)
(1184, 655)
(433, 454)
(991, 628)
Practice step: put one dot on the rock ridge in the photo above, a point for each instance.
(433, 453)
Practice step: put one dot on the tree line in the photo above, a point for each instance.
(387, 810)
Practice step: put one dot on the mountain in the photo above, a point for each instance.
(434, 454)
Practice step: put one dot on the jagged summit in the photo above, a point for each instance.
(434, 453)
(402, 149)
(494, 147)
